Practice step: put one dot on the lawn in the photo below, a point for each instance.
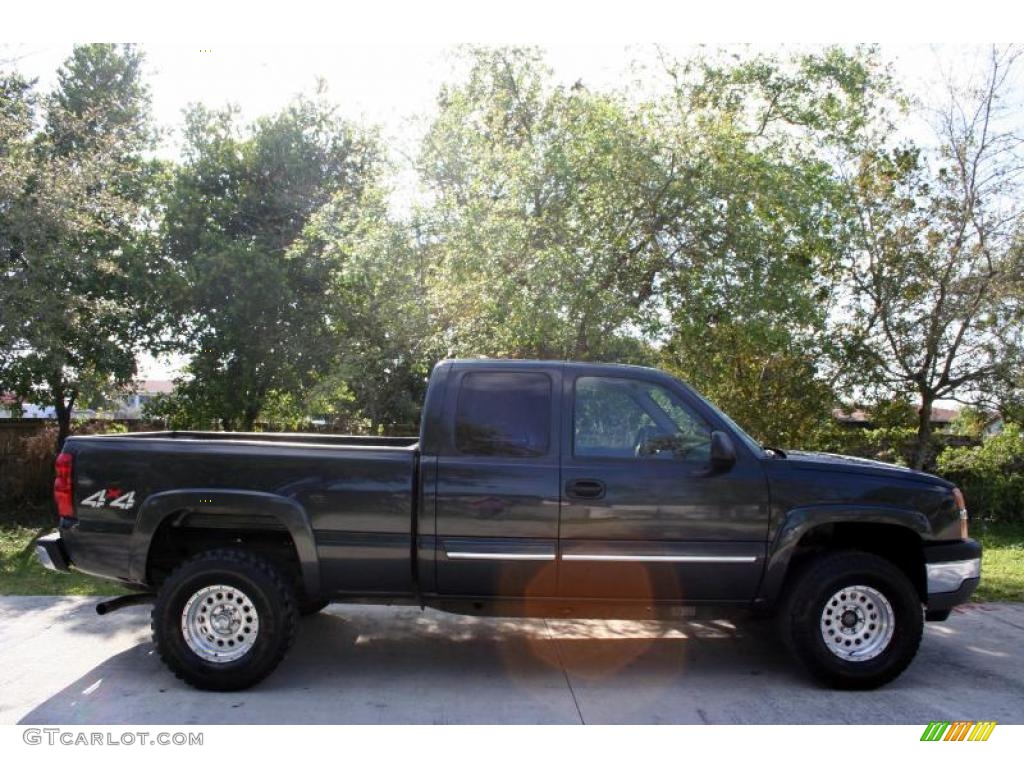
(1002, 565)
(20, 574)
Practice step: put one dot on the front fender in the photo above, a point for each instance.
(800, 520)
(158, 507)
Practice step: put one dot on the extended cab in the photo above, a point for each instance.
(533, 488)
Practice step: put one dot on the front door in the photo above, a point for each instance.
(643, 515)
(497, 489)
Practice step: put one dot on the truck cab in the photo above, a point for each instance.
(589, 482)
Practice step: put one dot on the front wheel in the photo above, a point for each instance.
(853, 619)
(224, 620)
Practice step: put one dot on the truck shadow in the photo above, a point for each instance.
(70, 612)
(401, 665)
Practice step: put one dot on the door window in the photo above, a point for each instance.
(503, 414)
(627, 418)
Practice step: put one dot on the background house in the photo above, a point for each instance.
(858, 418)
(130, 406)
(127, 406)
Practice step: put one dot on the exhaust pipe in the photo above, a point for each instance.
(123, 601)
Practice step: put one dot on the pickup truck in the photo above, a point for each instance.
(533, 489)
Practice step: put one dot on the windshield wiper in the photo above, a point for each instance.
(777, 451)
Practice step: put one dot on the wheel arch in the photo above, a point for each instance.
(224, 510)
(893, 533)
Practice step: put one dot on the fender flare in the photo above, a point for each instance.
(292, 515)
(800, 520)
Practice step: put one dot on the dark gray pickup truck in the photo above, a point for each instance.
(533, 489)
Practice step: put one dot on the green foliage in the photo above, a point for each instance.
(575, 224)
(991, 475)
(18, 104)
(893, 444)
(750, 285)
(775, 395)
(283, 412)
(935, 251)
(897, 412)
(22, 574)
(75, 231)
(547, 205)
(1002, 560)
(970, 422)
(386, 336)
(252, 286)
(182, 409)
(746, 223)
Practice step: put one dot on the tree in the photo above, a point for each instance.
(75, 223)
(17, 112)
(938, 245)
(384, 340)
(749, 285)
(252, 291)
(700, 229)
(544, 201)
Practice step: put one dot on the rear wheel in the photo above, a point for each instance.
(853, 619)
(223, 620)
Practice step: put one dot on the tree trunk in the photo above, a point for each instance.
(63, 422)
(581, 351)
(249, 417)
(924, 432)
(374, 424)
(62, 406)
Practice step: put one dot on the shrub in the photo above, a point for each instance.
(32, 478)
(990, 475)
(891, 444)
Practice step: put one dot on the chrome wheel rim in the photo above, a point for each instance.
(857, 623)
(220, 623)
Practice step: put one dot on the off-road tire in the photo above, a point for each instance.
(270, 596)
(802, 612)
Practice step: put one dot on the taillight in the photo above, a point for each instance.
(961, 506)
(62, 494)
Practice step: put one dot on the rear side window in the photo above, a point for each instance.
(503, 414)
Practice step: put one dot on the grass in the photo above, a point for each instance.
(1002, 567)
(1002, 564)
(21, 573)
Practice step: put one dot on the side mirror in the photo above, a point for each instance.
(723, 452)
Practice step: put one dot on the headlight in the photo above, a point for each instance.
(961, 505)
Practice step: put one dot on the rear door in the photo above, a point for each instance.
(497, 481)
(643, 515)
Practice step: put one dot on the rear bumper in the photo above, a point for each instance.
(51, 554)
(953, 571)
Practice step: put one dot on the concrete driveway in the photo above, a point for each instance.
(60, 663)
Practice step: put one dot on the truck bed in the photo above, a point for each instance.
(355, 492)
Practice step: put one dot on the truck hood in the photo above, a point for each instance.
(836, 462)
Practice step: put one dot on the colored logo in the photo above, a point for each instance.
(959, 730)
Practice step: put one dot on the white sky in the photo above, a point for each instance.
(392, 86)
(385, 85)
